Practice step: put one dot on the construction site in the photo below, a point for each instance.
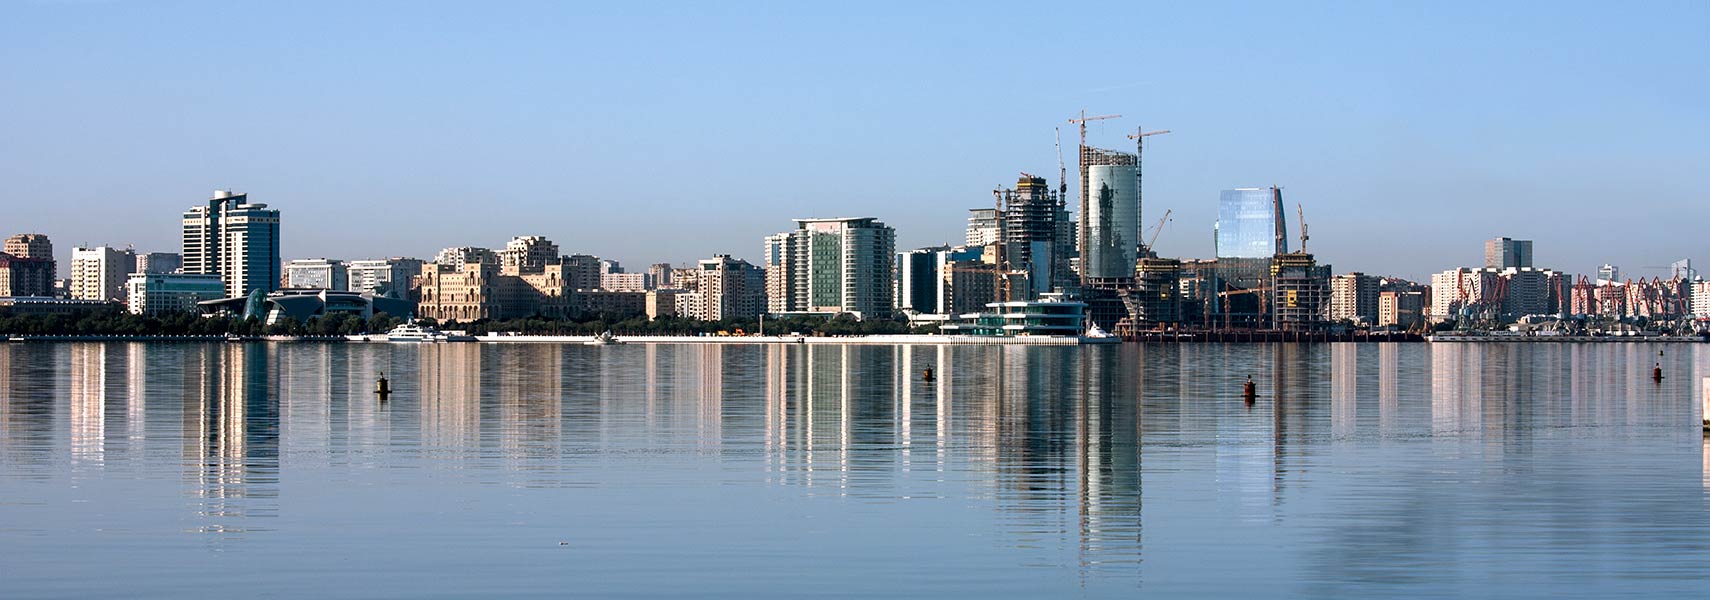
(1098, 257)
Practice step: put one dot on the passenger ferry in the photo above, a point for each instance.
(411, 331)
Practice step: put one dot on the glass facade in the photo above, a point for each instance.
(1248, 222)
(1113, 225)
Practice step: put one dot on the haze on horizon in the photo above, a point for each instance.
(674, 132)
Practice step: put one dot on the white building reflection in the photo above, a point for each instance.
(231, 435)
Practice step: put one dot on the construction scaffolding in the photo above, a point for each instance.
(1300, 292)
(1155, 299)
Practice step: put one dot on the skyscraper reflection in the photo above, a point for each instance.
(231, 436)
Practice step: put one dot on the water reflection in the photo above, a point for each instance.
(1371, 466)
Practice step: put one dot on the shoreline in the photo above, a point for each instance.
(882, 339)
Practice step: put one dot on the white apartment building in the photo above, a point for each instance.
(99, 273)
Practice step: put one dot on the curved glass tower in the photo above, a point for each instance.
(1250, 223)
(1113, 221)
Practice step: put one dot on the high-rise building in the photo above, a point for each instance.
(1608, 274)
(1037, 236)
(20, 277)
(528, 252)
(779, 258)
(29, 246)
(982, 226)
(158, 262)
(920, 280)
(1402, 309)
(1505, 253)
(945, 280)
(151, 293)
(1354, 297)
(841, 265)
(659, 275)
(726, 288)
(1490, 293)
(236, 240)
(583, 271)
(27, 266)
(391, 277)
(317, 273)
(1700, 298)
(1682, 270)
(100, 273)
(1299, 292)
(1091, 157)
(1112, 239)
(1251, 223)
(662, 302)
(458, 256)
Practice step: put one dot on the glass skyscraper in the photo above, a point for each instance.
(1250, 224)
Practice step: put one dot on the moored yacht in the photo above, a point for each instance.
(411, 331)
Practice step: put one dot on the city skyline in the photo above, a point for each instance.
(382, 135)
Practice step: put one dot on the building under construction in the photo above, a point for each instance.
(1155, 300)
(1036, 236)
(1300, 292)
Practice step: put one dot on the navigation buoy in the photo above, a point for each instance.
(382, 387)
(926, 375)
(1249, 391)
(1656, 372)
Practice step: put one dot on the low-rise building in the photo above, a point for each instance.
(613, 304)
(43, 305)
(304, 304)
(166, 293)
(1050, 315)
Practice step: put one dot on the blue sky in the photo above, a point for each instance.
(671, 132)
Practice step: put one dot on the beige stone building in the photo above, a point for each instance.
(478, 290)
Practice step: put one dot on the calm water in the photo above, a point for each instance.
(169, 470)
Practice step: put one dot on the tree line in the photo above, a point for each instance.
(121, 323)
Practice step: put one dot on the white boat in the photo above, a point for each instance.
(1096, 335)
(411, 331)
(604, 339)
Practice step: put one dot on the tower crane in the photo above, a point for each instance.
(1139, 136)
(1062, 171)
(1083, 123)
(1152, 245)
(1300, 214)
